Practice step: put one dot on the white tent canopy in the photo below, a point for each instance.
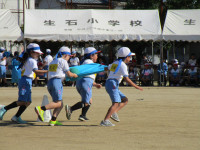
(92, 25)
(182, 25)
(9, 29)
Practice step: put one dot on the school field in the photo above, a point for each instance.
(159, 118)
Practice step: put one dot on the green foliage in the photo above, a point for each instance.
(183, 4)
(170, 4)
(142, 4)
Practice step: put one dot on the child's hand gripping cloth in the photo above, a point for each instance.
(86, 69)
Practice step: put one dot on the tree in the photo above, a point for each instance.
(170, 4)
(142, 4)
(183, 4)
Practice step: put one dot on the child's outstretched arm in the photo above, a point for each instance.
(71, 75)
(132, 84)
(98, 86)
(40, 71)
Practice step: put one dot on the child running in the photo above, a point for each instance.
(84, 87)
(118, 70)
(29, 67)
(56, 74)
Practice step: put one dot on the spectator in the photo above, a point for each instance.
(192, 60)
(40, 75)
(162, 73)
(198, 74)
(47, 60)
(74, 61)
(45, 66)
(182, 73)
(146, 75)
(144, 61)
(16, 73)
(101, 75)
(3, 81)
(174, 75)
(192, 76)
(133, 72)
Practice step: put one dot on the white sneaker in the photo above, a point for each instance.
(115, 117)
(68, 112)
(18, 120)
(106, 123)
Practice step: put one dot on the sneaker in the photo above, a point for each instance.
(115, 117)
(106, 123)
(55, 123)
(2, 112)
(18, 120)
(68, 112)
(83, 118)
(40, 113)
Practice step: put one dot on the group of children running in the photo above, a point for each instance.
(57, 70)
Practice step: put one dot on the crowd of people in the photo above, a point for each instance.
(29, 67)
(145, 73)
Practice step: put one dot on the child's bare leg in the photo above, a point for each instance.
(122, 104)
(56, 111)
(111, 110)
(54, 105)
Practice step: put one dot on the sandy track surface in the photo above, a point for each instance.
(159, 118)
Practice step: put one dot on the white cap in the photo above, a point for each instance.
(34, 47)
(91, 50)
(2, 49)
(48, 51)
(73, 52)
(124, 52)
(176, 63)
(65, 49)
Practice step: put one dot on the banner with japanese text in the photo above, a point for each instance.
(92, 25)
(182, 25)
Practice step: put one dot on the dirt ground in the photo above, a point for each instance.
(159, 118)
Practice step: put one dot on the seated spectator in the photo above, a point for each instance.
(198, 74)
(174, 75)
(192, 60)
(183, 70)
(40, 76)
(146, 75)
(192, 79)
(102, 75)
(3, 81)
(133, 72)
(162, 73)
(144, 61)
(47, 60)
(74, 61)
(16, 73)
